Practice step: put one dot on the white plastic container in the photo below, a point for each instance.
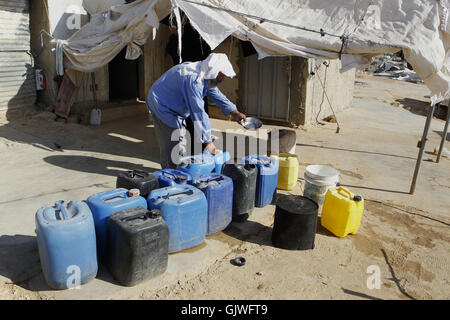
(318, 179)
(96, 117)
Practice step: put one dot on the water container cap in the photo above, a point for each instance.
(239, 261)
(357, 198)
(154, 214)
(134, 192)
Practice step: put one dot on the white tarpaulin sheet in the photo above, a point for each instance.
(421, 28)
(108, 32)
(100, 6)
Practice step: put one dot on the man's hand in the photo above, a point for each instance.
(211, 148)
(238, 116)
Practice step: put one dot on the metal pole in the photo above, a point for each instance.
(444, 134)
(94, 90)
(422, 148)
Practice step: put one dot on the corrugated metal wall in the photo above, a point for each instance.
(17, 78)
(267, 87)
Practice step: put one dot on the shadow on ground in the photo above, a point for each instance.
(441, 133)
(421, 107)
(19, 258)
(95, 165)
(250, 231)
(132, 137)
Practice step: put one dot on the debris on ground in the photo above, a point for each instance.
(445, 152)
(239, 261)
(394, 66)
(331, 119)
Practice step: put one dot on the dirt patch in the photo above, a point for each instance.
(351, 174)
(417, 270)
(407, 218)
(369, 246)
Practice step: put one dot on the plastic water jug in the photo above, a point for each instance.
(138, 179)
(106, 203)
(184, 208)
(66, 243)
(244, 188)
(197, 165)
(218, 190)
(295, 223)
(220, 159)
(138, 244)
(288, 171)
(266, 181)
(172, 177)
(342, 211)
(96, 117)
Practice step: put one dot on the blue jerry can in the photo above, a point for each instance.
(267, 179)
(218, 190)
(106, 203)
(184, 208)
(197, 165)
(66, 243)
(220, 159)
(172, 177)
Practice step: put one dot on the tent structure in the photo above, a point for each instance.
(353, 31)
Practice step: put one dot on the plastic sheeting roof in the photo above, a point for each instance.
(353, 30)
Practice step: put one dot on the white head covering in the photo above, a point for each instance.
(215, 63)
(210, 67)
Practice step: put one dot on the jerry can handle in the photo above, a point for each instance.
(344, 192)
(174, 176)
(161, 198)
(153, 214)
(217, 178)
(60, 206)
(134, 217)
(123, 194)
(264, 162)
(187, 192)
(137, 173)
(168, 174)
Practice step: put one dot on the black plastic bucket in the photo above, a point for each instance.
(295, 223)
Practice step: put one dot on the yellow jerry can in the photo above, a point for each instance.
(342, 211)
(288, 171)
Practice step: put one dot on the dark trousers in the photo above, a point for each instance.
(191, 130)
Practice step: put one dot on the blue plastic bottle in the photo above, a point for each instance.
(267, 179)
(184, 208)
(220, 159)
(197, 165)
(106, 203)
(172, 177)
(66, 243)
(218, 190)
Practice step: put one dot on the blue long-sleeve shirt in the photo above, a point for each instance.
(174, 97)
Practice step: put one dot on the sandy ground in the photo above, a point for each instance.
(406, 236)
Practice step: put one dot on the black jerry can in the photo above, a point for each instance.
(244, 188)
(138, 245)
(138, 179)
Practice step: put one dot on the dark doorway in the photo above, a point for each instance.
(123, 78)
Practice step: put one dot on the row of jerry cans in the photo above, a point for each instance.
(117, 228)
(181, 208)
